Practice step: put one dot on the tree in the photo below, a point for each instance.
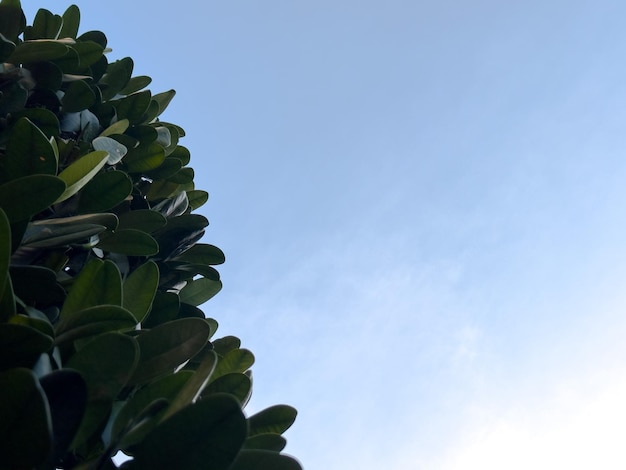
(102, 345)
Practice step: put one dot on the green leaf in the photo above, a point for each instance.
(275, 419)
(116, 78)
(182, 154)
(71, 22)
(96, 36)
(145, 220)
(118, 127)
(36, 285)
(183, 176)
(132, 413)
(106, 363)
(203, 253)
(66, 393)
(169, 167)
(25, 428)
(38, 51)
(44, 235)
(269, 441)
(6, 48)
(144, 158)
(94, 321)
(129, 242)
(226, 344)
(140, 288)
(164, 309)
(194, 386)
(21, 345)
(261, 459)
(208, 433)
(133, 106)
(88, 52)
(237, 384)
(5, 250)
(197, 198)
(43, 119)
(78, 96)
(99, 283)
(237, 360)
(47, 75)
(166, 346)
(46, 25)
(79, 173)
(198, 291)
(29, 152)
(135, 84)
(7, 301)
(24, 197)
(12, 19)
(164, 99)
(105, 191)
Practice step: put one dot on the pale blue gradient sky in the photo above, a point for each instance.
(422, 208)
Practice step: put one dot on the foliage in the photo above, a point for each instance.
(102, 345)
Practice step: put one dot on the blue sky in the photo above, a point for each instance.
(422, 208)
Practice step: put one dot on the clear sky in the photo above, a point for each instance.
(423, 207)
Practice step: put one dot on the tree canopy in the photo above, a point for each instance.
(103, 346)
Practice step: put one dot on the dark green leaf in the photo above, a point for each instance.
(140, 288)
(95, 36)
(44, 119)
(43, 235)
(106, 363)
(208, 433)
(182, 154)
(78, 96)
(46, 25)
(203, 253)
(164, 99)
(66, 393)
(46, 75)
(116, 78)
(262, 459)
(145, 220)
(25, 429)
(135, 84)
(105, 191)
(268, 441)
(164, 309)
(166, 346)
(6, 48)
(89, 52)
(194, 386)
(198, 291)
(38, 51)
(167, 169)
(5, 250)
(133, 411)
(99, 283)
(71, 22)
(226, 344)
(133, 106)
(197, 198)
(24, 197)
(21, 345)
(29, 152)
(237, 360)
(94, 321)
(275, 419)
(36, 285)
(144, 158)
(236, 384)
(129, 242)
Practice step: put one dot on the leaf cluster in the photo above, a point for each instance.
(103, 347)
